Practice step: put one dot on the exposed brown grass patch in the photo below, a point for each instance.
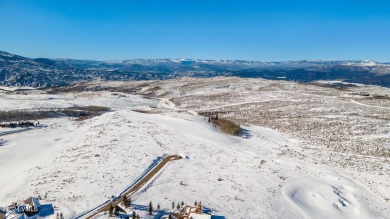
(227, 126)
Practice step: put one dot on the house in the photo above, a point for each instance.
(32, 201)
(199, 216)
(189, 212)
(30, 208)
(217, 217)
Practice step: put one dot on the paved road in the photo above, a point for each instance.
(149, 174)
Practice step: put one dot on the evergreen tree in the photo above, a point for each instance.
(137, 216)
(134, 215)
(150, 208)
(182, 203)
(130, 202)
(110, 210)
(209, 119)
(173, 205)
(61, 216)
(178, 206)
(58, 216)
(196, 203)
(125, 201)
(116, 210)
(158, 207)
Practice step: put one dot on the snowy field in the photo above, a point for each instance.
(273, 173)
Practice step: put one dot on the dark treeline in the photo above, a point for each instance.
(19, 124)
(78, 112)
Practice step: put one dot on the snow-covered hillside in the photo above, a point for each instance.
(80, 164)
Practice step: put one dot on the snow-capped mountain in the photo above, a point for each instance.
(42, 72)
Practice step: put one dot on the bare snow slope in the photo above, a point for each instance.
(80, 164)
(347, 128)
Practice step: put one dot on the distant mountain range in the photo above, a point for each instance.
(17, 70)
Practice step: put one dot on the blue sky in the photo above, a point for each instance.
(248, 30)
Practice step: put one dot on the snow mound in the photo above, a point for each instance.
(327, 198)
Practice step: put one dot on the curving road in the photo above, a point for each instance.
(138, 184)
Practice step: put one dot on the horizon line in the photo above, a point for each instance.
(204, 59)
